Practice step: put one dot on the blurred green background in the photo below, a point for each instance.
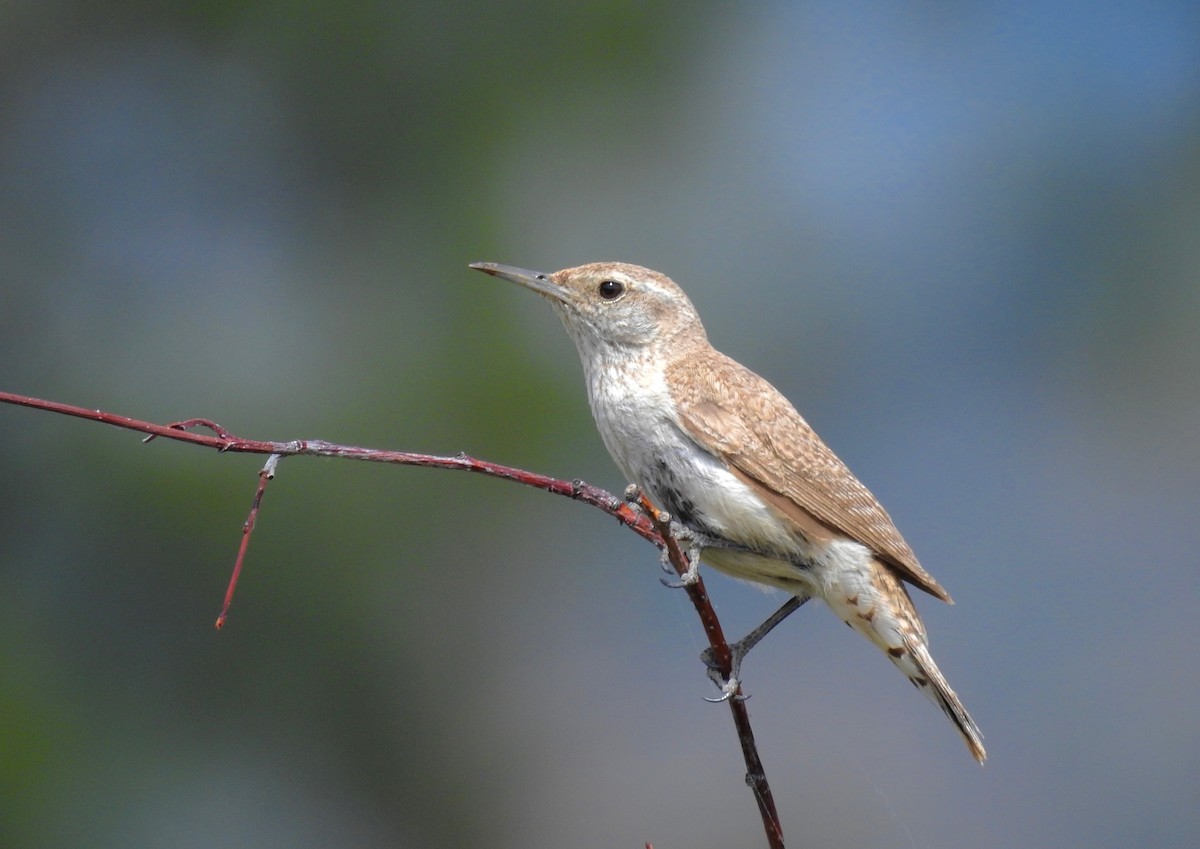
(964, 240)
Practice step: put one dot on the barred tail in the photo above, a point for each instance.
(876, 603)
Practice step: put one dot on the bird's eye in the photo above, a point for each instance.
(610, 289)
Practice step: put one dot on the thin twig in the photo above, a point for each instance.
(644, 520)
(264, 477)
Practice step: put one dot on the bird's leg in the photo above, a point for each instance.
(739, 650)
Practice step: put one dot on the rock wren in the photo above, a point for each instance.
(721, 450)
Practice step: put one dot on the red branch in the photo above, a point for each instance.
(264, 477)
(643, 520)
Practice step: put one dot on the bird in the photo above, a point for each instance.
(719, 448)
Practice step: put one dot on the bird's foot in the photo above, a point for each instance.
(729, 686)
(692, 575)
(738, 651)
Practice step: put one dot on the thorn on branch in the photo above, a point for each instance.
(188, 424)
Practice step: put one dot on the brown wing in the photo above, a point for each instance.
(741, 418)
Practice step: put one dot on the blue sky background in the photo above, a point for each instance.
(963, 240)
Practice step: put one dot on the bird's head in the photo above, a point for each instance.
(612, 308)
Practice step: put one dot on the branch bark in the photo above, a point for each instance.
(644, 520)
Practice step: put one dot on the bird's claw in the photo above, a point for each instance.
(664, 560)
(729, 689)
(728, 686)
(691, 576)
(687, 578)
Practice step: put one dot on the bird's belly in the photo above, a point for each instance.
(762, 569)
(750, 540)
(701, 493)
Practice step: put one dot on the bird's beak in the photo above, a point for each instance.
(535, 280)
